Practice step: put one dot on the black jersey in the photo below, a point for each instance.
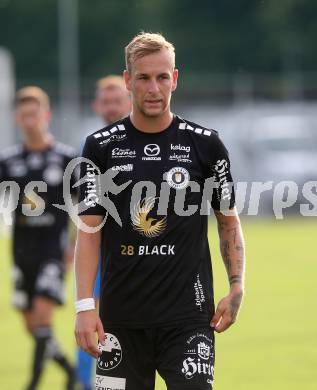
(39, 235)
(156, 267)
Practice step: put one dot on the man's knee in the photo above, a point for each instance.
(28, 320)
(42, 312)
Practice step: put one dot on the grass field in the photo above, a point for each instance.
(273, 345)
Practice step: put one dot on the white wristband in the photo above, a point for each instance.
(85, 305)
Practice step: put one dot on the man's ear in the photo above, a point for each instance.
(175, 78)
(127, 79)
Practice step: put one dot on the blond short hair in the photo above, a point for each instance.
(144, 44)
(109, 82)
(33, 93)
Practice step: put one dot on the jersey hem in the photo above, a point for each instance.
(143, 325)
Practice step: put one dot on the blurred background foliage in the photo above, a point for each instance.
(210, 36)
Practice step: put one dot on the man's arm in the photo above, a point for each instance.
(69, 250)
(232, 251)
(87, 254)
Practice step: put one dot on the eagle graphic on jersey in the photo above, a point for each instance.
(147, 226)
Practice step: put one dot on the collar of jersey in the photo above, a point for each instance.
(143, 133)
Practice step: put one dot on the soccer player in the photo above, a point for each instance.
(145, 180)
(112, 102)
(112, 99)
(40, 229)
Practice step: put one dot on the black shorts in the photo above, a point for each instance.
(45, 278)
(183, 356)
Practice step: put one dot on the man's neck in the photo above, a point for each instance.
(151, 124)
(38, 142)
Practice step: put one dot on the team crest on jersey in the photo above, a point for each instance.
(199, 357)
(111, 353)
(178, 178)
(142, 223)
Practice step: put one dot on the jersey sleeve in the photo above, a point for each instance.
(90, 191)
(223, 197)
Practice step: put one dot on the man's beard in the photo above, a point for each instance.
(153, 114)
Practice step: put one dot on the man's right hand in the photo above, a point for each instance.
(87, 325)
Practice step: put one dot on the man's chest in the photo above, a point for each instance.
(170, 159)
(27, 169)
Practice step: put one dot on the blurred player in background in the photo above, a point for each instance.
(112, 102)
(112, 99)
(39, 238)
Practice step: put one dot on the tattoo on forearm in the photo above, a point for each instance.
(222, 225)
(235, 279)
(234, 234)
(234, 305)
(240, 264)
(232, 250)
(226, 256)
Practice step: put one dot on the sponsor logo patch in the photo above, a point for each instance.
(166, 250)
(222, 170)
(111, 353)
(199, 357)
(180, 148)
(199, 293)
(124, 168)
(110, 383)
(147, 250)
(91, 197)
(184, 158)
(152, 152)
(114, 137)
(122, 153)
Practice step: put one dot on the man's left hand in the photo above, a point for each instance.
(227, 310)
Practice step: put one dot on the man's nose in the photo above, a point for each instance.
(153, 86)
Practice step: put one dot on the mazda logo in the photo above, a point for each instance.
(151, 150)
